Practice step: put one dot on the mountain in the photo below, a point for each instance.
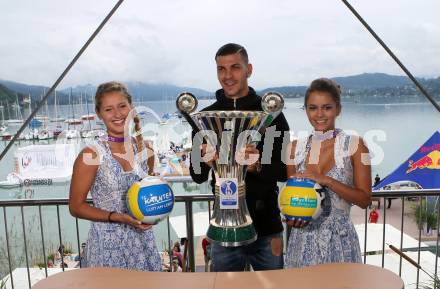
(141, 91)
(146, 91)
(35, 91)
(364, 81)
(361, 88)
(432, 84)
(373, 88)
(371, 81)
(286, 91)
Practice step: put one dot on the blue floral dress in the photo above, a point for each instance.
(115, 244)
(331, 238)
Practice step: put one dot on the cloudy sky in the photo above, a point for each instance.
(290, 42)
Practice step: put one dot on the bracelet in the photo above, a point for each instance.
(109, 215)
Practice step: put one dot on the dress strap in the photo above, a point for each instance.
(301, 152)
(342, 149)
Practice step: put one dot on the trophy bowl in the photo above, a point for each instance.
(228, 132)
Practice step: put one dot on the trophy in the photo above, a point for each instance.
(229, 132)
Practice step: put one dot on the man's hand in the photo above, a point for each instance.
(209, 154)
(249, 156)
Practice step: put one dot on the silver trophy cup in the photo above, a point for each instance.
(228, 132)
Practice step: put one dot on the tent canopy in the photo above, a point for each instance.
(422, 167)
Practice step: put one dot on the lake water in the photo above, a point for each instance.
(392, 130)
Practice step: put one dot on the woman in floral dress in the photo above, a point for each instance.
(107, 169)
(340, 163)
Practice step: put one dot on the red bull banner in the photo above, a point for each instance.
(422, 167)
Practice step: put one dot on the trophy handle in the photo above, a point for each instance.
(272, 103)
(186, 103)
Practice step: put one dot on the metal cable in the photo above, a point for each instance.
(408, 73)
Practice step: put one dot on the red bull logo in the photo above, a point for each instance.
(430, 161)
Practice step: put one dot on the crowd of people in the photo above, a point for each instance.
(329, 156)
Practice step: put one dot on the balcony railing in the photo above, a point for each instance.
(404, 195)
(188, 200)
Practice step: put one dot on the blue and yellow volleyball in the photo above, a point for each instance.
(301, 199)
(150, 200)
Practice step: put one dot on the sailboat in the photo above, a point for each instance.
(19, 117)
(57, 118)
(3, 127)
(89, 116)
(33, 129)
(72, 132)
(89, 132)
(58, 128)
(43, 118)
(34, 124)
(4, 134)
(45, 133)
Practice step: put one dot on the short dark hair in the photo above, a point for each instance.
(324, 85)
(232, 48)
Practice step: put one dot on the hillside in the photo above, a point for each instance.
(373, 88)
(34, 91)
(372, 81)
(139, 91)
(360, 82)
(143, 91)
(6, 95)
(361, 88)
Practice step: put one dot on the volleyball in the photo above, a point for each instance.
(150, 200)
(301, 199)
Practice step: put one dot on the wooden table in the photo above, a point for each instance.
(328, 276)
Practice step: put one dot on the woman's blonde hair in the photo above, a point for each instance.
(114, 86)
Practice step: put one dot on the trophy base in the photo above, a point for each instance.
(232, 236)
